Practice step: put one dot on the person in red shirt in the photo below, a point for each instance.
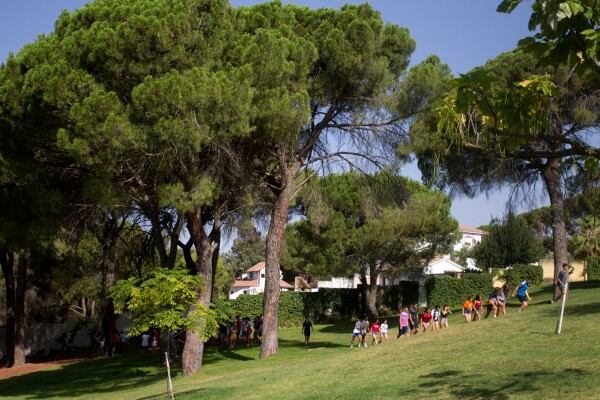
(426, 318)
(477, 308)
(375, 328)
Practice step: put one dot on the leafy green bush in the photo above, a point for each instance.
(324, 305)
(448, 290)
(518, 272)
(291, 307)
(593, 268)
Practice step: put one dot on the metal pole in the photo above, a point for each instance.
(170, 394)
(562, 309)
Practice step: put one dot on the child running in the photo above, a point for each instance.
(523, 294)
(501, 301)
(426, 319)
(467, 309)
(491, 305)
(477, 308)
(384, 331)
(364, 329)
(436, 317)
(444, 316)
(414, 319)
(375, 327)
(356, 333)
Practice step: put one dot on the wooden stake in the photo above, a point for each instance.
(170, 394)
(562, 309)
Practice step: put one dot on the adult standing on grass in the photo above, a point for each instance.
(522, 293)
(444, 316)
(307, 327)
(375, 327)
(561, 283)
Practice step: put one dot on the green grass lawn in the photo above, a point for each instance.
(512, 357)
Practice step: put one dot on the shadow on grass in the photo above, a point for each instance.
(313, 344)
(192, 393)
(86, 378)
(214, 354)
(576, 310)
(469, 386)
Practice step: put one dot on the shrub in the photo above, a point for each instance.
(518, 272)
(593, 268)
(291, 307)
(449, 290)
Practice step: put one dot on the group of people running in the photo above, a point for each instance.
(412, 318)
(496, 301)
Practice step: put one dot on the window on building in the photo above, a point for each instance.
(262, 275)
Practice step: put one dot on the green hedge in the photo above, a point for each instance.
(326, 304)
(517, 273)
(291, 307)
(593, 268)
(448, 290)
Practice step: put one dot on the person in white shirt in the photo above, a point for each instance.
(384, 330)
(356, 334)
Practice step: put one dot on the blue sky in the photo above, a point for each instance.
(463, 33)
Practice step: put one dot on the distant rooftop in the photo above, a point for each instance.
(468, 229)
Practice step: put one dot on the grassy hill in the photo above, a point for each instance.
(512, 357)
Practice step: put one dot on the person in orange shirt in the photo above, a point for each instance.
(468, 309)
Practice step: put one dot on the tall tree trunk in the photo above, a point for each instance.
(19, 354)
(552, 178)
(194, 346)
(274, 239)
(372, 293)
(174, 241)
(7, 261)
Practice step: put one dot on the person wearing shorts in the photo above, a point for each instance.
(375, 335)
(436, 314)
(560, 288)
(522, 294)
(467, 309)
(477, 308)
(356, 333)
(426, 319)
(403, 325)
(414, 319)
(491, 305)
(444, 316)
(501, 301)
(364, 329)
(384, 331)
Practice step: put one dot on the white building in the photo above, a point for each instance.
(253, 282)
(470, 237)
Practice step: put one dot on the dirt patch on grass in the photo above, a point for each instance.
(35, 366)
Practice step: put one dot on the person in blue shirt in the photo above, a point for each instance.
(522, 294)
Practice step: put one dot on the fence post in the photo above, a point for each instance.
(170, 394)
(562, 309)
